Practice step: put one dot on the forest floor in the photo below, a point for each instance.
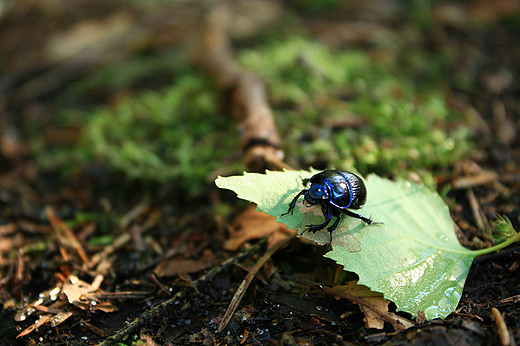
(97, 253)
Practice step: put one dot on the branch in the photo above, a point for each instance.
(259, 138)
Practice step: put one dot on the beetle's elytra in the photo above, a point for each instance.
(336, 192)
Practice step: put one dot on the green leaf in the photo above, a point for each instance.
(413, 258)
(272, 191)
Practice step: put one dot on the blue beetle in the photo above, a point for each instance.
(336, 192)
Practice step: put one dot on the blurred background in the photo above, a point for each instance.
(111, 114)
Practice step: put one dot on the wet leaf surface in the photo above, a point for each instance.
(413, 257)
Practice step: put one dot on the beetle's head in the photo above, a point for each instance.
(316, 194)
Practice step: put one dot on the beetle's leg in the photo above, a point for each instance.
(316, 228)
(293, 202)
(334, 226)
(357, 216)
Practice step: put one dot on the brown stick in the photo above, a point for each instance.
(237, 298)
(259, 138)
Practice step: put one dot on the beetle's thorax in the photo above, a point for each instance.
(342, 191)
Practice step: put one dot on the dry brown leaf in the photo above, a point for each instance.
(75, 288)
(377, 305)
(105, 307)
(376, 299)
(252, 224)
(79, 293)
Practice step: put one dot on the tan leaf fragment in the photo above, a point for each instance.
(374, 306)
(372, 319)
(77, 290)
(252, 224)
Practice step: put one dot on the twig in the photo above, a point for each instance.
(138, 210)
(19, 266)
(126, 237)
(259, 138)
(62, 230)
(503, 332)
(510, 300)
(480, 219)
(173, 303)
(245, 283)
(119, 242)
(483, 178)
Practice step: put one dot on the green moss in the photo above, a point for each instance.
(177, 135)
(169, 136)
(322, 6)
(503, 229)
(408, 124)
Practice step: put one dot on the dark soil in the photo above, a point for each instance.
(186, 305)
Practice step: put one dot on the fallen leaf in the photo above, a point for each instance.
(412, 254)
(372, 318)
(74, 289)
(252, 224)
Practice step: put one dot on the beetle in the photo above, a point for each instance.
(336, 192)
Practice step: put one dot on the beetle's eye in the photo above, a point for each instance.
(316, 192)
